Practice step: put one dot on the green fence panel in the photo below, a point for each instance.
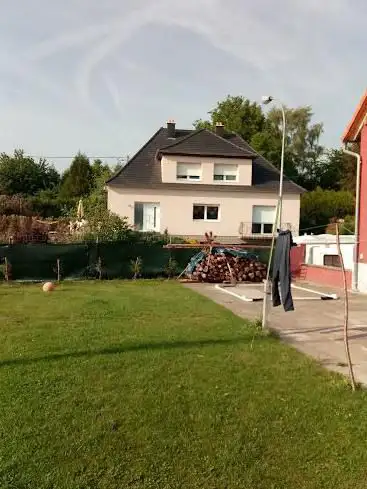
(3, 250)
(116, 259)
(110, 260)
(154, 259)
(39, 261)
(183, 256)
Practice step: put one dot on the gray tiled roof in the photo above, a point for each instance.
(206, 143)
(144, 169)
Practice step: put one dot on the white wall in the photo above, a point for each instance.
(169, 169)
(176, 208)
(315, 253)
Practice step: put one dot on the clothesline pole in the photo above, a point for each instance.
(278, 214)
(267, 285)
(281, 177)
(268, 99)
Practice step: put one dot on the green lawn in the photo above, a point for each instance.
(147, 385)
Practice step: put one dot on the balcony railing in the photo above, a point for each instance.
(259, 230)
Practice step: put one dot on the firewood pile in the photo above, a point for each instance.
(226, 267)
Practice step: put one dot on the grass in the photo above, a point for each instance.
(108, 385)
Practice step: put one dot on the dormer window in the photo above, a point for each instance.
(188, 171)
(225, 173)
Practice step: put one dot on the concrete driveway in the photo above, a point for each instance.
(315, 327)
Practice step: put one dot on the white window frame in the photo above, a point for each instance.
(220, 171)
(196, 204)
(157, 218)
(263, 223)
(189, 178)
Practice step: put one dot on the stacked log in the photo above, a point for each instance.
(217, 268)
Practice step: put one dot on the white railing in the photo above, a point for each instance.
(254, 229)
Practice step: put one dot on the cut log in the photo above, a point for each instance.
(228, 268)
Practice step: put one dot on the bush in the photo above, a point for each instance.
(14, 205)
(105, 226)
(22, 229)
(45, 206)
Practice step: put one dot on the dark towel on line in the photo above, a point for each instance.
(282, 271)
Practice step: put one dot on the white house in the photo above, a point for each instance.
(194, 181)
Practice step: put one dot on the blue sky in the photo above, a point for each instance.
(101, 77)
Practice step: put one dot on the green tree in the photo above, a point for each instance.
(320, 207)
(238, 115)
(304, 159)
(48, 203)
(339, 171)
(97, 199)
(77, 180)
(22, 175)
(100, 170)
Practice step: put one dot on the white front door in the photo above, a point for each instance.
(151, 217)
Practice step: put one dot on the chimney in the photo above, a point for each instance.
(219, 129)
(171, 128)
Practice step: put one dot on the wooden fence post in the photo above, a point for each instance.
(6, 272)
(58, 269)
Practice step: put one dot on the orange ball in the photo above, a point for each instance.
(48, 287)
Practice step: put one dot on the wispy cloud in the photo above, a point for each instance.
(76, 60)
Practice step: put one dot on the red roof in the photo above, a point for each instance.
(354, 128)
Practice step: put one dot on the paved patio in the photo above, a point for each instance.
(315, 327)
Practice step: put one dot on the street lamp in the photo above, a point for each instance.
(268, 99)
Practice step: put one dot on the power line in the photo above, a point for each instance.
(71, 157)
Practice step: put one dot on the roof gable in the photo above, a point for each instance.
(206, 143)
(144, 169)
(264, 173)
(354, 128)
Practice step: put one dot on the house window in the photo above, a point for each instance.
(188, 171)
(205, 212)
(138, 215)
(147, 216)
(332, 261)
(226, 173)
(263, 219)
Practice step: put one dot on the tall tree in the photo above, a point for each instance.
(238, 114)
(339, 171)
(22, 175)
(99, 169)
(319, 207)
(77, 181)
(304, 155)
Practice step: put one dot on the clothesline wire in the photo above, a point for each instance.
(320, 226)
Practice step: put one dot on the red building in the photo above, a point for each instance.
(355, 141)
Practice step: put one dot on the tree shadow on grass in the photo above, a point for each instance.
(127, 348)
